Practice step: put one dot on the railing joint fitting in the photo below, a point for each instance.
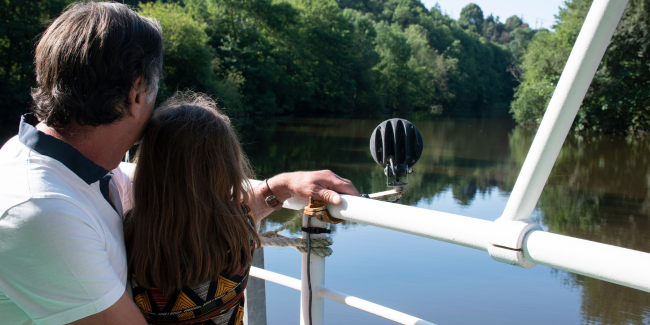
(505, 242)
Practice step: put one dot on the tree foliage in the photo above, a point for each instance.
(472, 16)
(189, 59)
(324, 57)
(21, 21)
(270, 57)
(617, 99)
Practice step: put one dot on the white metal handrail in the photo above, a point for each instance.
(601, 261)
(605, 262)
(585, 57)
(341, 298)
(513, 238)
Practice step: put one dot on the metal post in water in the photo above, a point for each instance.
(317, 267)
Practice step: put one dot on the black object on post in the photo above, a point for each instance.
(396, 145)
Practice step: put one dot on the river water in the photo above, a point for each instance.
(598, 190)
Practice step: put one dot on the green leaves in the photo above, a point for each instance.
(271, 57)
(617, 100)
(471, 17)
(189, 60)
(21, 21)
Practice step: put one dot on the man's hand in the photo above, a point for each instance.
(323, 185)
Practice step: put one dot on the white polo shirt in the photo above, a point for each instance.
(62, 254)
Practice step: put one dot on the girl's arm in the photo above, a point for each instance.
(323, 185)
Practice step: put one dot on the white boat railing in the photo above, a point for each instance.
(601, 261)
(513, 238)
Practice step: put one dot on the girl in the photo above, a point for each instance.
(190, 237)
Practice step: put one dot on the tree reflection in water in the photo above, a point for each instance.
(598, 189)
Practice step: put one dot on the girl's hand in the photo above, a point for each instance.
(323, 185)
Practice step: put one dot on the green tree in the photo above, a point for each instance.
(428, 71)
(21, 21)
(189, 61)
(363, 49)
(617, 99)
(472, 16)
(541, 67)
(492, 28)
(513, 22)
(269, 57)
(395, 83)
(405, 13)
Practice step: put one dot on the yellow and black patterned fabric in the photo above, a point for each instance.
(218, 302)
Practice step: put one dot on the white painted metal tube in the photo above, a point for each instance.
(588, 51)
(605, 262)
(275, 278)
(451, 228)
(342, 298)
(372, 308)
(317, 279)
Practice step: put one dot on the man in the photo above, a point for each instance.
(62, 257)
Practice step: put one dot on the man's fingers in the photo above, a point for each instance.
(329, 196)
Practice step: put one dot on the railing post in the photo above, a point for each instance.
(597, 30)
(317, 267)
(255, 308)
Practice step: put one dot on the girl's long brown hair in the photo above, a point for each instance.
(189, 184)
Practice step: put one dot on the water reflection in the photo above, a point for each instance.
(598, 189)
(468, 156)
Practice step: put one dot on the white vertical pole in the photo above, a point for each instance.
(255, 307)
(317, 266)
(588, 51)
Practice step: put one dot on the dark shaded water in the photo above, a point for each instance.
(598, 190)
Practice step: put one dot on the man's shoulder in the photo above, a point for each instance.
(14, 187)
(42, 214)
(56, 263)
(26, 175)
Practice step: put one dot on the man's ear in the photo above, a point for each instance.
(136, 97)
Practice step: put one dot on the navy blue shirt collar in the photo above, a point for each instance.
(54, 148)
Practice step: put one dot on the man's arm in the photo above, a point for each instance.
(54, 264)
(323, 185)
(123, 311)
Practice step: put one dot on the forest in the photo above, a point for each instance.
(618, 99)
(265, 58)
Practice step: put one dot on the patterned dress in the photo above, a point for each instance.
(218, 302)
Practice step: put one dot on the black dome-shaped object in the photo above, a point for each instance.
(400, 140)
